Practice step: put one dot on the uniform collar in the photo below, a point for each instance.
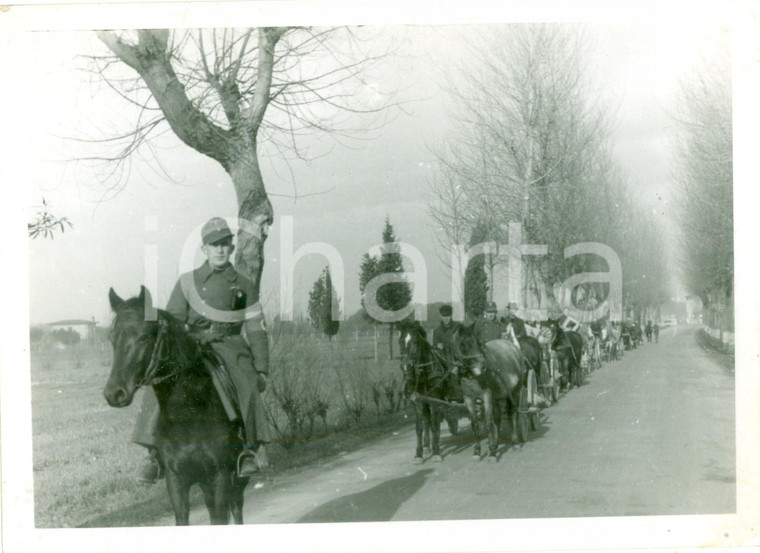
(205, 272)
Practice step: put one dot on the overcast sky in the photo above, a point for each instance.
(346, 194)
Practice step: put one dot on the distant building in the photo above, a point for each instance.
(83, 327)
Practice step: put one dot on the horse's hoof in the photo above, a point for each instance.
(436, 458)
(476, 458)
(492, 458)
(417, 461)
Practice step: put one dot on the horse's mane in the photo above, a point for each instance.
(418, 333)
(181, 347)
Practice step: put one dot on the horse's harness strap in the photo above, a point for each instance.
(150, 377)
(436, 356)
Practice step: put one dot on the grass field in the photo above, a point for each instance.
(84, 463)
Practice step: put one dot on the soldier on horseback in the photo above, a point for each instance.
(566, 322)
(515, 326)
(443, 341)
(217, 303)
(487, 328)
(443, 336)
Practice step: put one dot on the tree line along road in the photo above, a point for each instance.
(651, 434)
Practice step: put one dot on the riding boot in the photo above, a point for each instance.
(250, 462)
(150, 469)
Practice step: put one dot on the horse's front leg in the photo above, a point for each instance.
(427, 414)
(512, 413)
(418, 423)
(472, 410)
(435, 423)
(179, 493)
(490, 420)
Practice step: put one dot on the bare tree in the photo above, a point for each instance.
(704, 152)
(533, 145)
(529, 135)
(229, 94)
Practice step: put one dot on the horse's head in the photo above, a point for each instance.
(405, 330)
(556, 334)
(413, 345)
(133, 339)
(467, 350)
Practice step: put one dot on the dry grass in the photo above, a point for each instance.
(84, 462)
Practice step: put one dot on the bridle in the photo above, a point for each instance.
(157, 359)
(460, 360)
(414, 366)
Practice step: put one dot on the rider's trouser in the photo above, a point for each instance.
(237, 358)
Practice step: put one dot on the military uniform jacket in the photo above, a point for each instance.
(487, 330)
(217, 304)
(443, 335)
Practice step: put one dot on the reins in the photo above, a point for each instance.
(416, 364)
(150, 377)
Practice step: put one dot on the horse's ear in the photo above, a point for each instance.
(115, 301)
(145, 298)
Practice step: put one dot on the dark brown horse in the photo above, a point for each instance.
(490, 374)
(196, 442)
(426, 374)
(569, 346)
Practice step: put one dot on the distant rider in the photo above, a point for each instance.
(515, 326)
(443, 340)
(487, 328)
(443, 334)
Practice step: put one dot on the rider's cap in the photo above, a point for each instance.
(491, 307)
(445, 310)
(512, 305)
(214, 230)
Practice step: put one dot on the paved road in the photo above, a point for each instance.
(652, 434)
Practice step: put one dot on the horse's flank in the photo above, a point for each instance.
(502, 357)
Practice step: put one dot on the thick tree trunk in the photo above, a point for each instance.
(234, 148)
(255, 213)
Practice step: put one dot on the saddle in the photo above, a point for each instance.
(220, 376)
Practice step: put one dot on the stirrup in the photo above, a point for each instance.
(259, 465)
(244, 456)
(150, 471)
